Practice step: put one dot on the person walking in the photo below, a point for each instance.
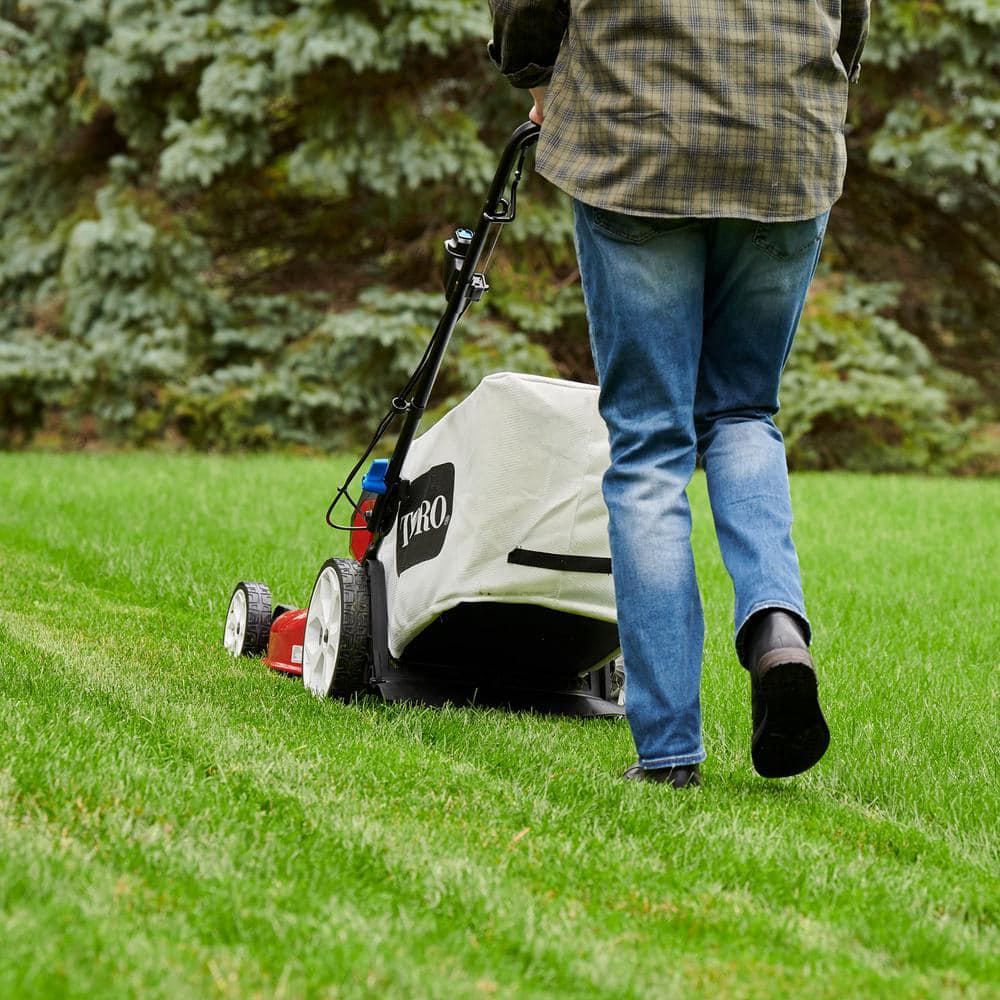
(701, 142)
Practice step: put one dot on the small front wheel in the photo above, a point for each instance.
(335, 654)
(248, 620)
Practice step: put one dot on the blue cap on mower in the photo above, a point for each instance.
(373, 480)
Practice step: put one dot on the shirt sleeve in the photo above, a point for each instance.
(526, 39)
(855, 17)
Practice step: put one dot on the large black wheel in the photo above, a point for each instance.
(248, 620)
(336, 650)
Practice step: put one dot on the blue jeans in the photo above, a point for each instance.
(691, 322)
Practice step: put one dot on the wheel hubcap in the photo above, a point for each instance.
(322, 638)
(236, 622)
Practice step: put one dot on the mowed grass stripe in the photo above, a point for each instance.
(237, 759)
(842, 879)
(894, 715)
(735, 904)
(239, 838)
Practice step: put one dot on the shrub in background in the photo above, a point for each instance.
(220, 220)
(860, 392)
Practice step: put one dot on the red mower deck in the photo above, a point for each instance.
(284, 648)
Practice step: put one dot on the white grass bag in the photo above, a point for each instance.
(504, 505)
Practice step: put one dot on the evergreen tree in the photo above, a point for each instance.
(220, 220)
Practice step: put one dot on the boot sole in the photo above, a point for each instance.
(793, 734)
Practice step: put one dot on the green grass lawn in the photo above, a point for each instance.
(176, 823)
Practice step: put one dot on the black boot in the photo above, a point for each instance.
(789, 731)
(680, 775)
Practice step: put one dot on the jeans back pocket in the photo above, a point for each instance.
(788, 240)
(634, 229)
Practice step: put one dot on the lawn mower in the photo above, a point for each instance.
(480, 569)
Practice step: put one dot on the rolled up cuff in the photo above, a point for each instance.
(528, 76)
(673, 760)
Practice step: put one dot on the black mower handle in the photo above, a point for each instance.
(467, 287)
(498, 208)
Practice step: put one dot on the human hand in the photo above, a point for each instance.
(537, 113)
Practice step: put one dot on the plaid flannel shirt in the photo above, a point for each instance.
(708, 108)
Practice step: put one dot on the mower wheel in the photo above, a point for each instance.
(335, 653)
(248, 620)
